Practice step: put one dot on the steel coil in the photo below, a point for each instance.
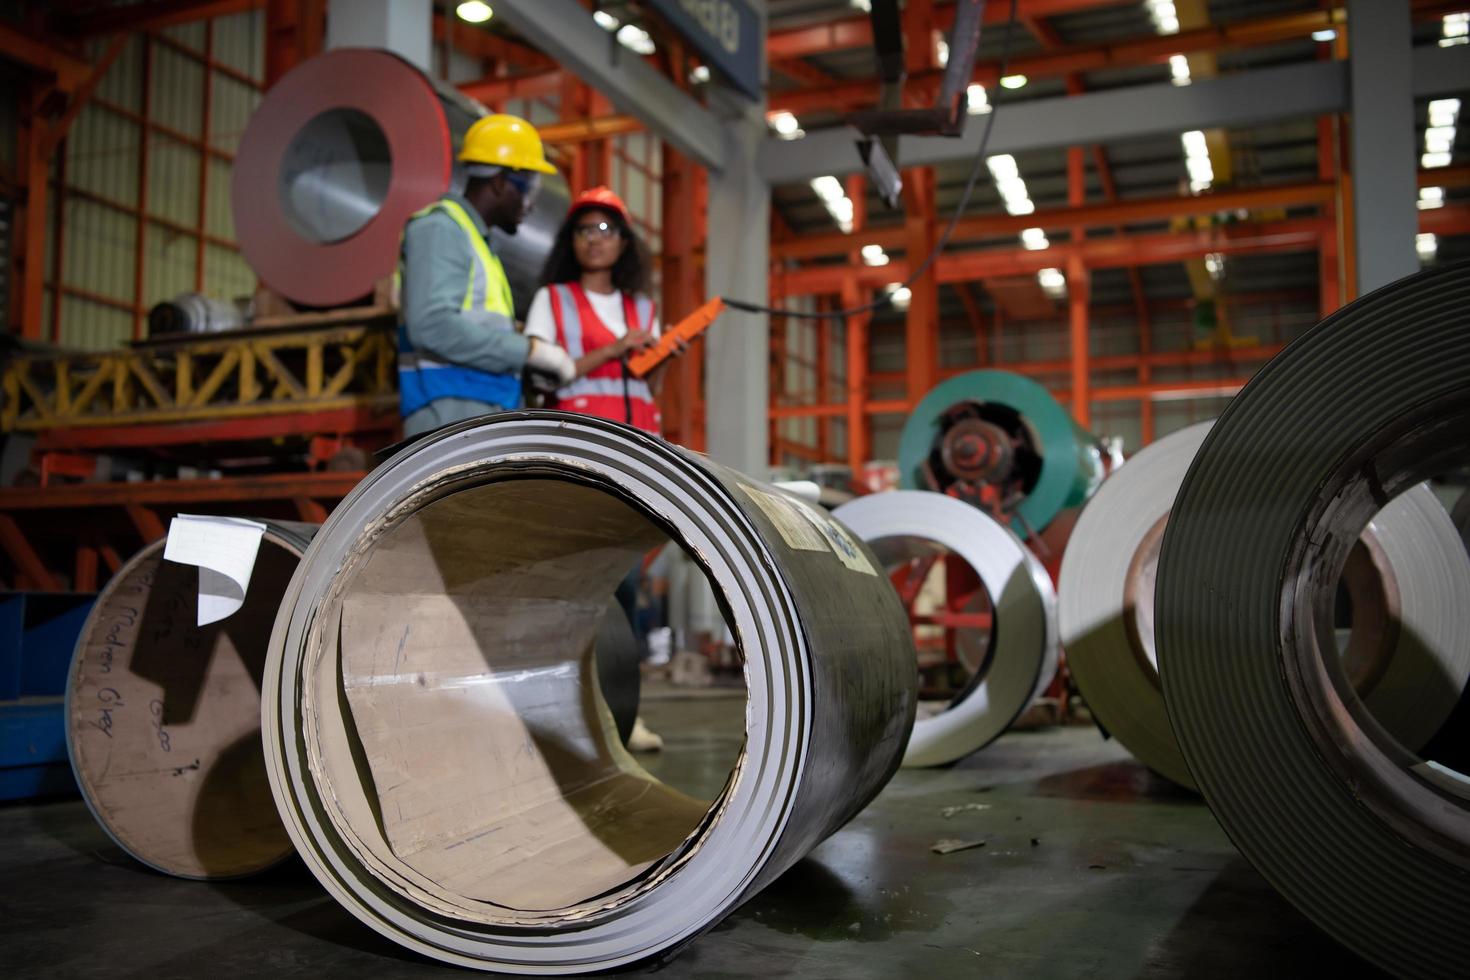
(163, 717)
(1022, 437)
(1408, 583)
(342, 150)
(445, 772)
(1366, 837)
(1022, 651)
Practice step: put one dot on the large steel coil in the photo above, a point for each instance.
(342, 150)
(1005, 432)
(1019, 658)
(1407, 585)
(163, 716)
(1367, 837)
(447, 773)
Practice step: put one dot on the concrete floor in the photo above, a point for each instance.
(1091, 868)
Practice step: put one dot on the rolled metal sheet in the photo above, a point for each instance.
(435, 753)
(1022, 660)
(1064, 467)
(163, 717)
(1368, 839)
(1408, 657)
(342, 150)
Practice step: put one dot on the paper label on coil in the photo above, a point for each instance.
(804, 530)
(841, 543)
(224, 548)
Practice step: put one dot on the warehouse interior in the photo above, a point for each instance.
(796, 488)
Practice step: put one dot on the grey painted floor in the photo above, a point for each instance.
(1091, 867)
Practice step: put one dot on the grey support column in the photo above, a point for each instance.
(737, 258)
(1384, 156)
(404, 27)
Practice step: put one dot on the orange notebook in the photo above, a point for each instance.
(686, 330)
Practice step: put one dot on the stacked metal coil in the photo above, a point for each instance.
(439, 760)
(1368, 837)
(341, 152)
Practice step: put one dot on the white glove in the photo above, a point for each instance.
(550, 359)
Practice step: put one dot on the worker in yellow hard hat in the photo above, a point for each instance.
(459, 354)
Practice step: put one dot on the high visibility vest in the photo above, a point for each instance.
(608, 392)
(423, 378)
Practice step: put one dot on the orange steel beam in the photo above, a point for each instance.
(68, 68)
(1153, 49)
(1119, 251)
(1088, 215)
(1234, 356)
(480, 43)
(1078, 287)
(166, 493)
(138, 17)
(857, 32)
(586, 130)
(1161, 390)
(24, 557)
(532, 85)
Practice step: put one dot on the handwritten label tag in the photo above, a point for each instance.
(224, 548)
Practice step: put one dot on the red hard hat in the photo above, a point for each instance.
(604, 198)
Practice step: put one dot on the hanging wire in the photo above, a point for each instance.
(939, 246)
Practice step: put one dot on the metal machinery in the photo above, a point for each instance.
(1000, 442)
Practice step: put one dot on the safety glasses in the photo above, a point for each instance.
(595, 231)
(527, 183)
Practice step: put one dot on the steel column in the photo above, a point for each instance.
(1382, 133)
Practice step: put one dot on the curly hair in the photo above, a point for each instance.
(629, 273)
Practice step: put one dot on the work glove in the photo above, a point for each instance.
(549, 359)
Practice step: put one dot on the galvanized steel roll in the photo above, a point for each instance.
(163, 717)
(1407, 581)
(1005, 429)
(341, 152)
(435, 751)
(1022, 651)
(1366, 837)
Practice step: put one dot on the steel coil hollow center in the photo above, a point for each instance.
(1424, 795)
(470, 752)
(335, 175)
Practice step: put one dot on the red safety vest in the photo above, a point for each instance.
(607, 392)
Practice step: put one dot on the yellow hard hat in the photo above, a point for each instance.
(505, 141)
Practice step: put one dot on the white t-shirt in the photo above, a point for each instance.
(608, 306)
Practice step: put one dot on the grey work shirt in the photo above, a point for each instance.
(437, 264)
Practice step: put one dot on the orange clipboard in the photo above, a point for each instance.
(686, 330)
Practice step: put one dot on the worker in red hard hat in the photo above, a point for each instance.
(593, 305)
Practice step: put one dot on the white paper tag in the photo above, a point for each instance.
(805, 489)
(224, 548)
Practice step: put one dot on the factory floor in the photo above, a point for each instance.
(1090, 867)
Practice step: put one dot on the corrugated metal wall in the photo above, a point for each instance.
(103, 164)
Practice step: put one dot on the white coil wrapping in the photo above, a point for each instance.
(1107, 618)
(908, 523)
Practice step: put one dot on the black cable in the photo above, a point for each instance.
(914, 274)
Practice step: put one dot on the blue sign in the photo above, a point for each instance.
(725, 32)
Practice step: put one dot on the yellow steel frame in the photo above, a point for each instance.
(203, 379)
